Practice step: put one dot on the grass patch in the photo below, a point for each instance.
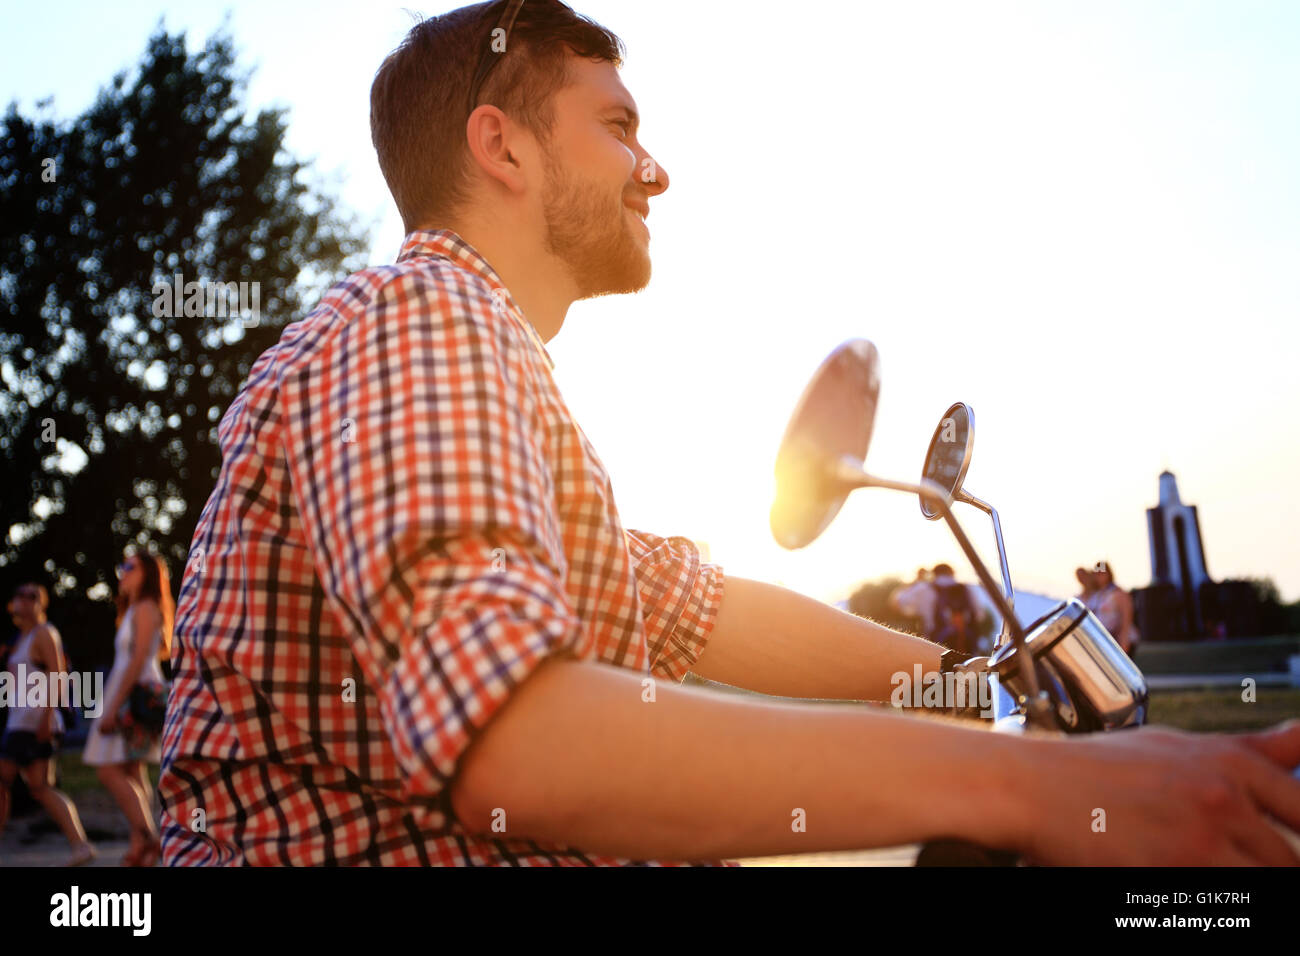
(76, 778)
(1203, 710)
(1241, 656)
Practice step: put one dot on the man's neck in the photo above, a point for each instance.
(538, 282)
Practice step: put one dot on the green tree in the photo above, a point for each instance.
(1265, 590)
(871, 600)
(109, 410)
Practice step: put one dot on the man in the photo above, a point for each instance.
(414, 630)
(944, 610)
(916, 601)
(953, 612)
(34, 725)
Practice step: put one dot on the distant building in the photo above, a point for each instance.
(1177, 554)
(1182, 603)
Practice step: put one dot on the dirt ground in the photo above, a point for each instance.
(33, 840)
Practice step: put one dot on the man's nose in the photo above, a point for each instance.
(652, 176)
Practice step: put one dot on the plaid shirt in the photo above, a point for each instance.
(408, 521)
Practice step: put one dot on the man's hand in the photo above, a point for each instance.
(1167, 798)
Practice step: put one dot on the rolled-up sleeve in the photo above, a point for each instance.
(680, 597)
(430, 505)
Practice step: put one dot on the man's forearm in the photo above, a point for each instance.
(776, 641)
(579, 758)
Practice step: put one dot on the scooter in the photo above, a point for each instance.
(1064, 673)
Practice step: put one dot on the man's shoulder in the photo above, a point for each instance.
(425, 293)
(421, 293)
(435, 283)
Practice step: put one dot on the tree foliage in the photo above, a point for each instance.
(109, 411)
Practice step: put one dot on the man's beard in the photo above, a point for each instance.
(591, 235)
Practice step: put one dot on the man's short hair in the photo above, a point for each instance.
(942, 569)
(419, 99)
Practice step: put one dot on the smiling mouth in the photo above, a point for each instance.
(640, 215)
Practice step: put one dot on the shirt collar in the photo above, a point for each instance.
(448, 245)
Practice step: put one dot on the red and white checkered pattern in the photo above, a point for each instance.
(407, 522)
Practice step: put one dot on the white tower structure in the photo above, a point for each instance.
(1177, 554)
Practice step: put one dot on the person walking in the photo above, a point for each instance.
(34, 727)
(119, 746)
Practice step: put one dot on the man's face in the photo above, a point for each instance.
(599, 180)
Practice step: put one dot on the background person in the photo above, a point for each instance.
(1114, 608)
(916, 600)
(32, 731)
(955, 613)
(119, 752)
(1087, 585)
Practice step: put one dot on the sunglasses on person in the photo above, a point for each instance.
(26, 595)
(126, 567)
(494, 52)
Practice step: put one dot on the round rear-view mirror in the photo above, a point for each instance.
(832, 420)
(949, 454)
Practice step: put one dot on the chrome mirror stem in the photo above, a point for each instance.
(1007, 589)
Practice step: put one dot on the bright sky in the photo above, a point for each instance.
(1081, 218)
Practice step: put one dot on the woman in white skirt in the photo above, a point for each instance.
(119, 750)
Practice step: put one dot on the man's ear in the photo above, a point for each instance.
(497, 147)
